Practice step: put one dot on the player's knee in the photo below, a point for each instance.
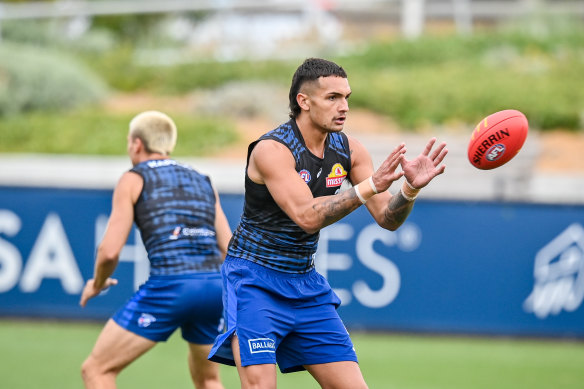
(208, 383)
(91, 370)
(206, 378)
(87, 369)
(257, 381)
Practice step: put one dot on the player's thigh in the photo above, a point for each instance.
(117, 347)
(338, 375)
(254, 376)
(198, 354)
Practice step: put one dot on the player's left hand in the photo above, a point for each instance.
(422, 169)
(90, 291)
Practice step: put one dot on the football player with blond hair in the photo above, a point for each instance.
(185, 233)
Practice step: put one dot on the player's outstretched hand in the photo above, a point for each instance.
(422, 169)
(89, 291)
(386, 174)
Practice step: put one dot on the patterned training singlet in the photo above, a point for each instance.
(266, 235)
(176, 217)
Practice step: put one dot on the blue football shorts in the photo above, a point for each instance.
(164, 303)
(283, 318)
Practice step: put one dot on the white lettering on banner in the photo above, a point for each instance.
(407, 238)
(52, 257)
(326, 261)
(135, 253)
(10, 258)
(383, 266)
(559, 275)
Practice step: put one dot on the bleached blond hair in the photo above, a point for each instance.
(156, 130)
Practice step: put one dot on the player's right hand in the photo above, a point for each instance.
(387, 173)
(89, 291)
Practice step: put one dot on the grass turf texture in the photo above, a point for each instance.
(49, 354)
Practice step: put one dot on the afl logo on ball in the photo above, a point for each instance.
(495, 152)
(305, 175)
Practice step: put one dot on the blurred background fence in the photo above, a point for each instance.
(409, 15)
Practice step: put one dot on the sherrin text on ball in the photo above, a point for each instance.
(497, 139)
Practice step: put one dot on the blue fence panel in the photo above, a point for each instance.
(463, 267)
(453, 267)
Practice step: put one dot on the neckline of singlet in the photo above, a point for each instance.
(301, 138)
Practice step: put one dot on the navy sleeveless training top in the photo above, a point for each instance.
(176, 217)
(266, 235)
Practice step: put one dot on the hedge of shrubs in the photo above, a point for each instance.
(50, 87)
(35, 79)
(93, 131)
(430, 81)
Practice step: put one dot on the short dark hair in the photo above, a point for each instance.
(311, 70)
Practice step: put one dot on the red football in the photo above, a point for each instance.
(497, 139)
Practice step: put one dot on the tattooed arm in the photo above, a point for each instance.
(272, 164)
(396, 212)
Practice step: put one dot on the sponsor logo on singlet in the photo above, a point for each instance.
(336, 176)
(175, 233)
(185, 231)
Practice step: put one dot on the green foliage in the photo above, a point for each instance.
(128, 27)
(38, 32)
(36, 79)
(54, 34)
(93, 132)
(440, 80)
(121, 69)
(429, 81)
(454, 91)
(183, 78)
(434, 80)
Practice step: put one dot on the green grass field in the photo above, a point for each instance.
(49, 354)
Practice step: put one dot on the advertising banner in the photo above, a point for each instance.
(453, 267)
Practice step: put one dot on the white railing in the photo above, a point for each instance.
(411, 14)
(431, 8)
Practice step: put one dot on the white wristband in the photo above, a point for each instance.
(410, 185)
(363, 201)
(405, 196)
(372, 185)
